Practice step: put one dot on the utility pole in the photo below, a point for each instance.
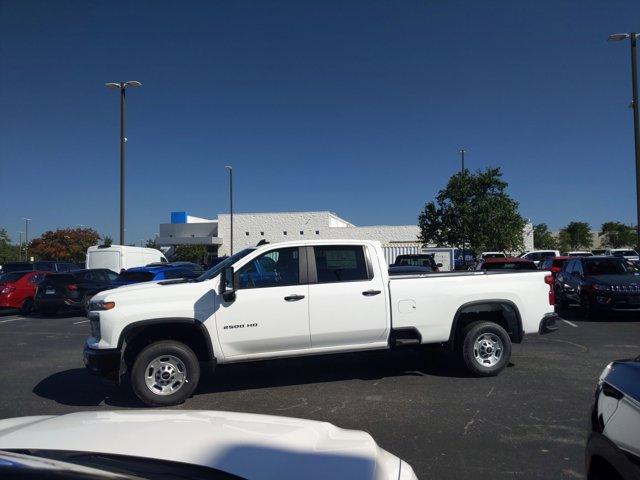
(122, 86)
(20, 249)
(464, 257)
(230, 168)
(26, 239)
(633, 37)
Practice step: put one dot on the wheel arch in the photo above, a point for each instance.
(193, 333)
(500, 311)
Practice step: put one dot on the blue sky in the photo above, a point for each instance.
(356, 107)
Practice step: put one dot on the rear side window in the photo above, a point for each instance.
(46, 266)
(136, 276)
(60, 279)
(336, 263)
(12, 277)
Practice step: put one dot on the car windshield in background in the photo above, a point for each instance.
(136, 276)
(12, 277)
(608, 266)
(509, 266)
(212, 272)
(494, 255)
(17, 267)
(625, 253)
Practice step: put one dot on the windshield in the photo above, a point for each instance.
(213, 271)
(493, 255)
(12, 277)
(608, 266)
(135, 277)
(625, 253)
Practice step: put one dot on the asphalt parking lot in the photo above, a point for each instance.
(530, 422)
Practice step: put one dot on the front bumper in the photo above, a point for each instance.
(103, 362)
(549, 323)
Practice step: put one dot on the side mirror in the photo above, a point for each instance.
(227, 287)
(439, 265)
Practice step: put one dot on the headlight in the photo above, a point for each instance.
(95, 305)
(601, 288)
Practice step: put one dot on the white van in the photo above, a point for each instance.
(121, 257)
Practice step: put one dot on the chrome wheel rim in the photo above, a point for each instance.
(165, 375)
(488, 349)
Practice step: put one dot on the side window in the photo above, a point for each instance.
(340, 263)
(569, 266)
(36, 278)
(577, 266)
(111, 276)
(49, 267)
(276, 268)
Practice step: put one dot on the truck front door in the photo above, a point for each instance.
(270, 312)
(347, 299)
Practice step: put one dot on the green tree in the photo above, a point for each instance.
(617, 234)
(473, 209)
(8, 252)
(543, 239)
(575, 236)
(151, 243)
(190, 253)
(69, 244)
(107, 241)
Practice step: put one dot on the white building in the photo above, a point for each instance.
(250, 228)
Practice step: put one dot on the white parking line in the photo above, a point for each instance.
(10, 320)
(81, 321)
(570, 323)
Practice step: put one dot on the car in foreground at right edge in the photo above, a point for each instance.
(203, 444)
(598, 284)
(613, 445)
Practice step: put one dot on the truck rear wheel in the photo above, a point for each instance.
(165, 373)
(485, 349)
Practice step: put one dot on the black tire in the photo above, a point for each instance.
(169, 350)
(561, 300)
(497, 336)
(586, 308)
(27, 307)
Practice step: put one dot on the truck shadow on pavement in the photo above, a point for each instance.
(574, 314)
(76, 387)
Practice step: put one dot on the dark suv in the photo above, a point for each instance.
(72, 289)
(417, 260)
(43, 266)
(598, 284)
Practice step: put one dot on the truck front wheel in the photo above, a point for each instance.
(165, 373)
(485, 349)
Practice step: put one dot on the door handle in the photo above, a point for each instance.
(371, 293)
(293, 298)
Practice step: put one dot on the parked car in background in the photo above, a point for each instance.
(613, 445)
(41, 266)
(599, 251)
(152, 274)
(506, 263)
(553, 264)
(463, 259)
(409, 270)
(18, 289)
(72, 289)
(122, 257)
(417, 260)
(536, 256)
(627, 253)
(577, 253)
(204, 445)
(598, 284)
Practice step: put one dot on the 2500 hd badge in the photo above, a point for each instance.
(240, 325)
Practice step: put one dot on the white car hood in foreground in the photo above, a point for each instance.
(248, 445)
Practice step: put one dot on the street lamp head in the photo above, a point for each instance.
(112, 85)
(617, 37)
(132, 83)
(228, 167)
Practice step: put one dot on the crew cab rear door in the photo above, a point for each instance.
(347, 299)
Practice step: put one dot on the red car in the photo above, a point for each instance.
(554, 264)
(506, 263)
(17, 289)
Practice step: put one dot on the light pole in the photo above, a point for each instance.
(464, 257)
(122, 86)
(230, 168)
(26, 239)
(20, 250)
(617, 37)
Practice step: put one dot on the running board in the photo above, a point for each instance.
(405, 337)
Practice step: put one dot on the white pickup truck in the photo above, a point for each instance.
(306, 298)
